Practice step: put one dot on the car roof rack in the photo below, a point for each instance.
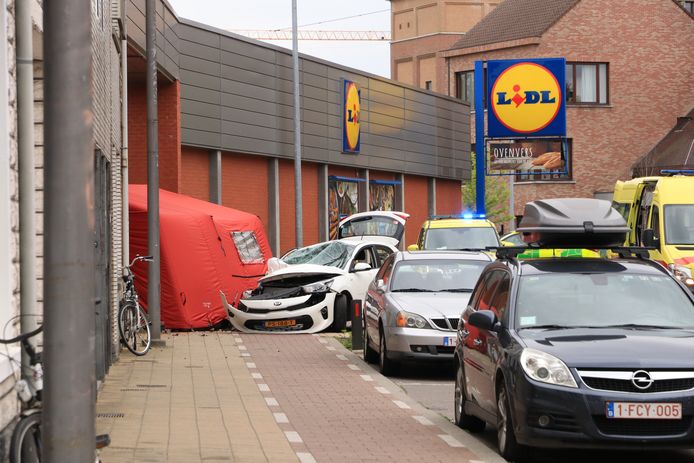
(467, 216)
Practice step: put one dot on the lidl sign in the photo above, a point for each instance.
(351, 109)
(526, 98)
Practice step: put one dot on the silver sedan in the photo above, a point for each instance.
(412, 307)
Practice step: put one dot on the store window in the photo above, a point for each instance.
(247, 247)
(587, 83)
(465, 87)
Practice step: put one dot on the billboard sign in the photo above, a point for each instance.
(527, 156)
(351, 107)
(526, 98)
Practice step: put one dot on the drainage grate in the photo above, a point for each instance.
(110, 415)
(131, 389)
(152, 385)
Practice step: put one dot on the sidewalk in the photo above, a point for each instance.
(236, 397)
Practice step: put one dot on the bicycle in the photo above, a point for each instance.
(133, 323)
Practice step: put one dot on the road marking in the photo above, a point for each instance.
(366, 378)
(330, 347)
(238, 340)
(322, 341)
(250, 364)
(245, 354)
(305, 457)
(271, 402)
(382, 390)
(401, 404)
(281, 417)
(242, 347)
(450, 440)
(423, 420)
(264, 387)
(293, 437)
(341, 357)
(257, 376)
(353, 367)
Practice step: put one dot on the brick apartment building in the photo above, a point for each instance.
(630, 75)
(226, 131)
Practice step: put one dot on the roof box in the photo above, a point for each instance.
(573, 223)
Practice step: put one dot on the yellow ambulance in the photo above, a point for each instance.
(660, 214)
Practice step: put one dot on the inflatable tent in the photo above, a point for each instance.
(205, 248)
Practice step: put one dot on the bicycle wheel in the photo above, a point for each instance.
(136, 329)
(126, 317)
(25, 446)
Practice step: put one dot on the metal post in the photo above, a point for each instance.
(125, 221)
(68, 418)
(153, 275)
(512, 203)
(356, 318)
(479, 137)
(215, 176)
(27, 210)
(298, 206)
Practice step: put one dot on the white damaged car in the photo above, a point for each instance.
(311, 288)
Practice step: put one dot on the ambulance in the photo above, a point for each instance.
(660, 214)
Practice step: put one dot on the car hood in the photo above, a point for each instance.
(303, 270)
(431, 305)
(615, 348)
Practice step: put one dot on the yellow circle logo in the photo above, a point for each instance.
(352, 109)
(526, 97)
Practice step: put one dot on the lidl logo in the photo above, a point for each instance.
(526, 98)
(351, 132)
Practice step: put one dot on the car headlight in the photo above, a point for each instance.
(546, 368)
(682, 273)
(319, 287)
(410, 320)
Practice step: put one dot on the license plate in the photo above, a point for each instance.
(280, 323)
(449, 341)
(638, 410)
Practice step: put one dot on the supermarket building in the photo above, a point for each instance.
(226, 132)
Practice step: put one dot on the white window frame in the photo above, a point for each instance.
(241, 252)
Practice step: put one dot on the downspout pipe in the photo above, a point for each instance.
(27, 206)
(125, 219)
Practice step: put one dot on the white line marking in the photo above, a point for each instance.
(256, 376)
(353, 367)
(382, 390)
(245, 354)
(293, 437)
(401, 404)
(330, 347)
(250, 365)
(238, 340)
(281, 418)
(271, 402)
(305, 457)
(264, 387)
(242, 347)
(450, 440)
(341, 357)
(322, 341)
(423, 420)
(366, 377)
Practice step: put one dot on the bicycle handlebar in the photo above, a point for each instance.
(22, 337)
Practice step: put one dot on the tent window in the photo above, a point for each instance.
(247, 247)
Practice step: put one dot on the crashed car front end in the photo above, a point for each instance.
(295, 304)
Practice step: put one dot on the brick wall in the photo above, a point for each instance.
(195, 173)
(448, 197)
(309, 185)
(650, 82)
(420, 51)
(244, 184)
(416, 204)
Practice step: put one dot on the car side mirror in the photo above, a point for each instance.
(648, 238)
(361, 267)
(413, 247)
(486, 320)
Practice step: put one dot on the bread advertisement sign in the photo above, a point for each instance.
(525, 157)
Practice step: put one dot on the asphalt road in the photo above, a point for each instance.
(432, 386)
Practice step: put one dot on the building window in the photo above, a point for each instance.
(428, 85)
(465, 87)
(689, 6)
(248, 248)
(587, 83)
(552, 177)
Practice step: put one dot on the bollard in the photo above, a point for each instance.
(357, 327)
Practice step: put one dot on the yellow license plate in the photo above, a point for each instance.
(280, 323)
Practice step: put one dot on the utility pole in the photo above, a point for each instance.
(68, 420)
(298, 206)
(153, 275)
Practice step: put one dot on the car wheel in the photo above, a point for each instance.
(387, 366)
(463, 420)
(339, 314)
(508, 446)
(370, 355)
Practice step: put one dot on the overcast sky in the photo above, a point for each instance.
(372, 57)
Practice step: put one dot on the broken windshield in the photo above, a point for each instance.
(331, 253)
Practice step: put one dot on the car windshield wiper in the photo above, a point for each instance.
(411, 290)
(549, 327)
(456, 290)
(639, 326)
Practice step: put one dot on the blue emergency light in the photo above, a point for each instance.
(677, 172)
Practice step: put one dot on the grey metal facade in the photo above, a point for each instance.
(236, 96)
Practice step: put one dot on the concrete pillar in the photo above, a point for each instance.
(273, 208)
(363, 190)
(323, 198)
(215, 176)
(432, 197)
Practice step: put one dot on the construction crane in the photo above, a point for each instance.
(315, 35)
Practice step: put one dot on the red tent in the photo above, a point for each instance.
(205, 248)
